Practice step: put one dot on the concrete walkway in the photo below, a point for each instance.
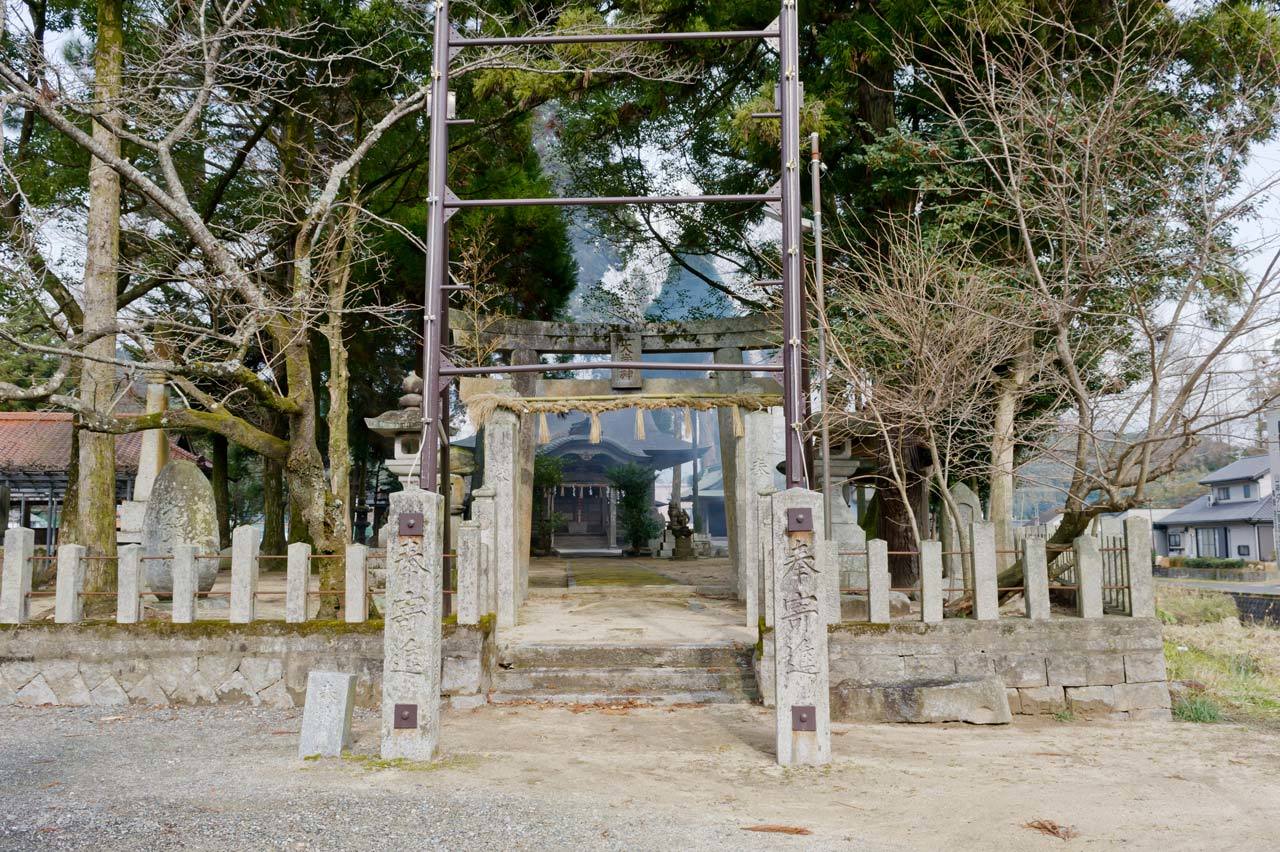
(636, 601)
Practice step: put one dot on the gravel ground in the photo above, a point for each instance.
(529, 777)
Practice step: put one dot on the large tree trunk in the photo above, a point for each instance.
(221, 489)
(97, 476)
(272, 507)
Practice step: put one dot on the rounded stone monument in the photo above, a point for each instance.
(181, 510)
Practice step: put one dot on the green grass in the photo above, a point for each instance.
(1064, 716)
(621, 575)
(1197, 708)
(1180, 605)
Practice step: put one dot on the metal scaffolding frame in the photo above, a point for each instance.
(441, 203)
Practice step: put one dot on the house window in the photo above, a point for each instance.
(1248, 490)
(1242, 550)
(1175, 541)
(1224, 492)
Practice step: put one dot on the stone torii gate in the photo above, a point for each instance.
(416, 550)
(745, 438)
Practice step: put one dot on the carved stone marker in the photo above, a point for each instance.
(625, 347)
(956, 561)
(69, 603)
(181, 511)
(326, 716)
(801, 678)
(355, 606)
(411, 636)
(296, 582)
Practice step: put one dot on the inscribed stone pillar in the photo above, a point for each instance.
(878, 581)
(297, 575)
(15, 586)
(326, 715)
(411, 637)
(468, 563)
(501, 474)
(801, 678)
(68, 606)
(185, 583)
(986, 600)
(1137, 541)
(482, 512)
(1088, 576)
(355, 608)
(930, 581)
(736, 510)
(129, 584)
(245, 543)
(1035, 578)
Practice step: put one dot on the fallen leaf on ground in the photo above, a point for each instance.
(1051, 828)
(771, 828)
(111, 719)
(50, 784)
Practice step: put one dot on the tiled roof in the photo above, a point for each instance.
(40, 441)
(1251, 468)
(1199, 512)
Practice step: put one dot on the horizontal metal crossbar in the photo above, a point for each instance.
(609, 38)
(579, 366)
(610, 200)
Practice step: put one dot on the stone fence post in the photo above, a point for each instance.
(1088, 576)
(878, 581)
(801, 674)
(930, 581)
(482, 513)
(185, 583)
(1035, 578)
(245, 543)
(355, 604)
(468, 568)
(1137, 543)
(986, 600)
(296, 581)
(15, 584)
(763, 579)
(501, 436)
(68, 603)
(129, 584)
(411, 636)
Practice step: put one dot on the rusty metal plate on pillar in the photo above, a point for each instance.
(406, 716)
(411, 523)
(804, 718)
(799, 520)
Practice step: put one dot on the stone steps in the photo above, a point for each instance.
(658, 674)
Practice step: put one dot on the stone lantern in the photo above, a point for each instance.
(403, 425)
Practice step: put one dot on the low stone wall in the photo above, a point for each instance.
(1110, 667)
(216, 663)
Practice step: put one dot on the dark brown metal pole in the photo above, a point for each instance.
(580, 366)
(613, 200)
(792, 271)
(437, 249)
(608, 38)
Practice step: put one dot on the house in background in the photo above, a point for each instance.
(1233, 521)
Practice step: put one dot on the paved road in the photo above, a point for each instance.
(1224, 586)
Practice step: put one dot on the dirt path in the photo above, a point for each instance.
(534, 778)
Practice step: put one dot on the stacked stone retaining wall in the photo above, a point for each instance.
(1111, 667)
(215, 663)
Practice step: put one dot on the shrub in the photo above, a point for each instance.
(1205, 562)
(1197, 708)
(635, 509)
